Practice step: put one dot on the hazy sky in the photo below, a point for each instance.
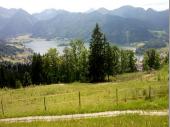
(33, 6)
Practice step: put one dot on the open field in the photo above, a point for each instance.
(119, 121)
(128, 91)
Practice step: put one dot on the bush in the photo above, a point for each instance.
(18, 84)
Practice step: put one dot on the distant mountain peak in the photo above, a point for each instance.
(7, 13)
(129, 7)
(126, 6)
(150, 10)
(21, 12)
(102, 10)
(51, 23)
(90, 10)
(49, 14)
(50, 11)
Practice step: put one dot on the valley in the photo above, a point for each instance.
(97, 68)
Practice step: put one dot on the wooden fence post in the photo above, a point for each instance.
(116, 96)
(125, 98)
(2, 107)
(150, 92)
(79, 100)
(136, 92)
(45, 108)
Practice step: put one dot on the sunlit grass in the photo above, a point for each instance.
(133, 93)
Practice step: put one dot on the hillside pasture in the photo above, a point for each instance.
(139, 90)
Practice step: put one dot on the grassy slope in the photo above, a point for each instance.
(63, 99)
(120, 121)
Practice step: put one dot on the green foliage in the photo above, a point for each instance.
(108, 59)
(27, 79)
(18, 84)
(80, 59)
(77, 63)
(67, 66)
(37, 69)
(116, 59)
(10, 73)
(151, 60)
(128, 61)
(112, 60)
(158, 77)
(97, 56)
(131, 62)
(51, 65)
(74, 65)
(166, 59)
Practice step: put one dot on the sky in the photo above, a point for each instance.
(34, 6)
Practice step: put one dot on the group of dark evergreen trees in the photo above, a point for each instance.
(106, 60)
(77, 63)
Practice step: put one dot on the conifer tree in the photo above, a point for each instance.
(108, 58)
(97, 56)
(36, 69)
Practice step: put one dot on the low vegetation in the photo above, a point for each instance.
(119, 121)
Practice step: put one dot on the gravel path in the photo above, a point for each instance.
(87, 115)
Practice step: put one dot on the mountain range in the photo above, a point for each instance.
(123, 25)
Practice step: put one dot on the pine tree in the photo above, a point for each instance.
(97, 56)
(108, 59)
(27, 79)
(37, 68)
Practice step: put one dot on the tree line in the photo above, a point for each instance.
(76, 63)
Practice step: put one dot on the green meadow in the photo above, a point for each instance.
(130, 91)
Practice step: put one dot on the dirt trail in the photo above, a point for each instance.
(87, 115)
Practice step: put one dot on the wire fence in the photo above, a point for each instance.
(82, 98)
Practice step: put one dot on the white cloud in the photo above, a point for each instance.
(81, 5)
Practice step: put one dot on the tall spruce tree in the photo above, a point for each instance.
(97, 56)
(108, 58)
(36, 69)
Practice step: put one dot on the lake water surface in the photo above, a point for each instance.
(42, 46)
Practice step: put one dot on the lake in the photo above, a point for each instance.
(42, 46)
